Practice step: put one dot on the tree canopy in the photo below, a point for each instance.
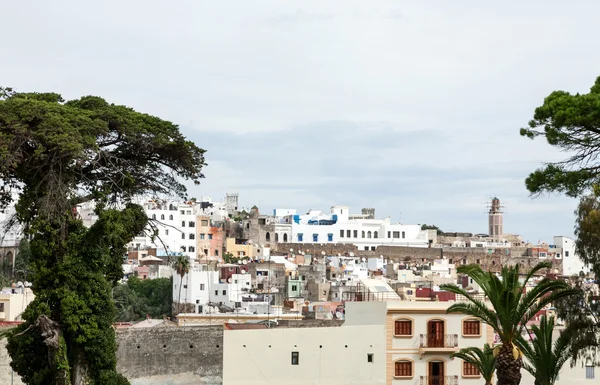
(55, 154)
(570, 123)
(141, 297)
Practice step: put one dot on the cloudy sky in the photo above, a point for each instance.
(411, 107)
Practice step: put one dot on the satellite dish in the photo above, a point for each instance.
(381, 256)
(244, 272)
(338, 315)
(245, 261)
(229, 280)
(339, 255)
(364, 259)
(239, 262)
(323, 252)
(291, 250)
(352, 254)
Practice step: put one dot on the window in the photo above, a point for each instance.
(189, 212)
(403, 235)
(566, 255)
(372, 248)
(216, 252)
(268, 236)
(153, 216)
(166, 231)
(216, 292)
(403, 369)
(224, 292)
(348, 235)
(209, 236)
(182, 223)
(204, 222)
(201, 286)
(470, 369)
(471, 328)
(368, 234)
(300, 236)
(192, 236)
(183, 248)
(341, 233)
(2, 307)
(171, 217)
(182, 235)
(370, 357)
(589, 372)
(162, 217)
(294, 287)
(329, 237)
(389, 234)
(201, 236)
(403, 327)
(362, 234)
(396, 234)
(182, 212)
(355, 233)
(315, 237)
(185, 286)
(375, 234)
(366, 248)
(276, 237)
(192, 224)
(295, 358)
(191, 249)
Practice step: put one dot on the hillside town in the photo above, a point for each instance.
(326, 278)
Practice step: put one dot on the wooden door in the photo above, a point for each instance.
(435, 334)
(435, 373)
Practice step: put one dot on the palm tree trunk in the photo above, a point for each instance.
(179, 299)
(508, 370)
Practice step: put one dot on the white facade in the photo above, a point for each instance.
(571, 263)
(330, 355)
(317, 227)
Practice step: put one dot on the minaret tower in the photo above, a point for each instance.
(495, 220)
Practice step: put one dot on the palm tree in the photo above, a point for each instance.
(511, 309)
(182, 267)
(545, 357)
(483, 360)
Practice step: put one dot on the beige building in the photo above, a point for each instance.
(13, 305)
(239, 247)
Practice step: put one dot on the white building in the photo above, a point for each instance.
(572, 264)
(340, 227)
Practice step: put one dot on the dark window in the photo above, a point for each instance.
(369, 357)
(566, 253)
(295, 358)
(300, 237)
(348, 233)
(162, 217)
(368, 234)
(268, 236)
(285, 237)
(329, 237)
(182, 223)
(589, 372)
(201, 286)
(183, 248)
(403, 369)
(170, 217)
(192, 249)
(224, 292)
(182, 235)
(403, 328)
(389, 234)
(471, 328)
(341, 233)
(191, 224)
(375, 234)
(153, 216)
(192, 236)
(216, 292)
(355, 233)
(396, 234)
(403, 235)
(315, 237)
(469, 369)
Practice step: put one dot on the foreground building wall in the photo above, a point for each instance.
(344, 355)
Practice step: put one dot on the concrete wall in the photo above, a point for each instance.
(188, 353)
(332, 356)
(6, 373)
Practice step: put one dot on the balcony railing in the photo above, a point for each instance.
(438, 380)
(430, 341)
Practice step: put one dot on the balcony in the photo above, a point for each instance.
(438, 343)
(438, 380)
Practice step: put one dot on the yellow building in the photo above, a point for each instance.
(239, 247)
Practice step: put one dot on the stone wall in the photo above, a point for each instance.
(6, 374)
(196, 353)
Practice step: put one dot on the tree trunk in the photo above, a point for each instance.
(179, 299)
(79, 374)
(508, 370)
(57, 349)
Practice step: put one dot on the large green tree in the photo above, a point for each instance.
(512, 303)
(139, 298)
(571, 123)
(55, 154)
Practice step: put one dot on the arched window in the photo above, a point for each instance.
(171, 217)
(162, 217)
(276, 237)
(285, 237)
(368, 234)
(403, 327)
(403, 368)
(375, 234)
(268, 236)
(363, 234)
(153, 216)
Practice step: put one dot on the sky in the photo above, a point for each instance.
(410, 107)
